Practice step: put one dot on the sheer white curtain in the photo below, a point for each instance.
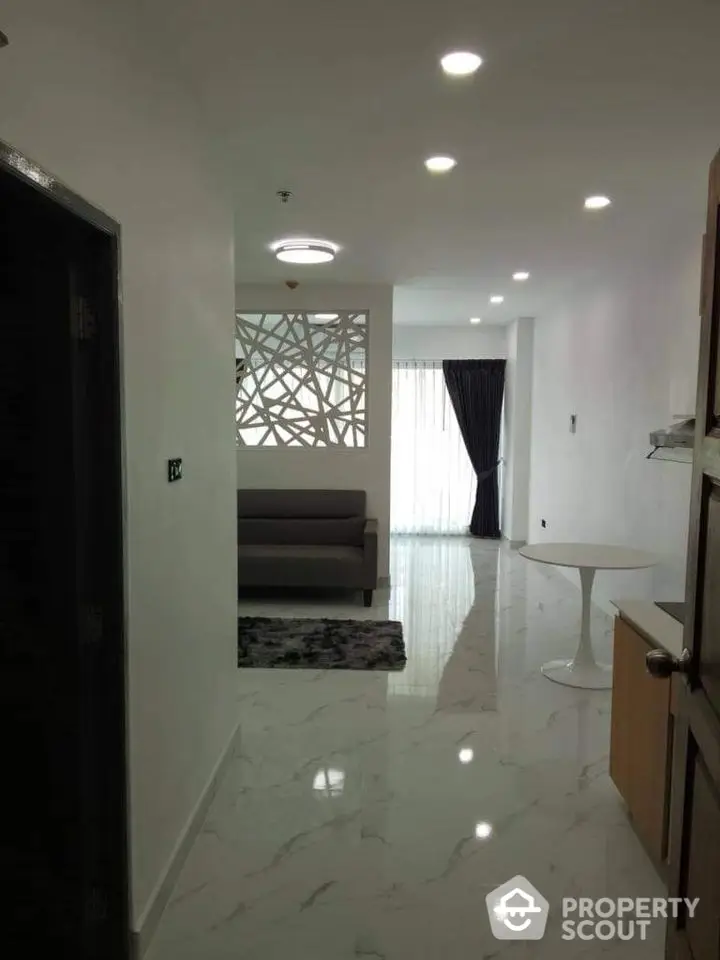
(433, 482)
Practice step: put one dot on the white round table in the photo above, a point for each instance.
(583, 670)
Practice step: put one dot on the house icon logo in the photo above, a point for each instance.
(517, 911)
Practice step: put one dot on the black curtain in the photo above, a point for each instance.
(476, 389)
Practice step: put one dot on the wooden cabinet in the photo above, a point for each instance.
(641, 740)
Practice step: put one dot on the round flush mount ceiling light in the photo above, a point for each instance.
(598, 202)
(460, 63)
(475, 319)
(496, 298)
(301, 250)
(521, 275)
(440, 164)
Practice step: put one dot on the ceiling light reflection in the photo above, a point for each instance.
(460, 63)
(597, 203)
(329, 781)
(440, 164)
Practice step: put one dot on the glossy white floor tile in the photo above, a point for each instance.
(367, 815)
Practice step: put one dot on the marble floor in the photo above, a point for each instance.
(368, 814)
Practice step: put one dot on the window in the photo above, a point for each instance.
(433, 482)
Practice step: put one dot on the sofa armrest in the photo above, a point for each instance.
(370, 549)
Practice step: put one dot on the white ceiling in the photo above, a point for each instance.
(340, 102)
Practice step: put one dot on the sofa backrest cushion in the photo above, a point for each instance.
(343, 532)
(297, 504)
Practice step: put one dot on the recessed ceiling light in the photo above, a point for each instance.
(597, 203)
(326, 316)
(483, 830)
(475, 319)
(460, 63)
(466, 755)
(521, 275)
(301, 250)
(496, 298)
(440, 164)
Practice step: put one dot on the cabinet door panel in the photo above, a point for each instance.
(640, 739)
(621, 737)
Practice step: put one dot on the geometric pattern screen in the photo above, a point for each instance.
(301, 379)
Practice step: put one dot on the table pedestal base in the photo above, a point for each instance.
(588, 676)
(582, 671)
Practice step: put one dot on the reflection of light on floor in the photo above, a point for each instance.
(483, 830)
(329, 782)
(466, 755)
(433, 590)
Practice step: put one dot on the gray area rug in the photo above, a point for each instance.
(321, 644)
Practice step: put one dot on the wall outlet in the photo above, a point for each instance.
(174, 470)
(543, 523)
(573, 423)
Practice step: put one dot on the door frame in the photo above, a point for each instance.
(696, 742)
(15, 163)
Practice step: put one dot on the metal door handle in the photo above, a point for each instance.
(661, 664)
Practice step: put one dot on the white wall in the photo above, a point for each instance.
(345, 469)
(622, 355)
(481, 342)
(81, 94)
(518, 422)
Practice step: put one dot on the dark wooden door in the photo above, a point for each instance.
(62, 672)
(695, 803)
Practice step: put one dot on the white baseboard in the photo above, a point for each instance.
(149, 919)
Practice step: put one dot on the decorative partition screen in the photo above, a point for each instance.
(301, 379)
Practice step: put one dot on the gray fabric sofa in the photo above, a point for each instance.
(306, 538)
